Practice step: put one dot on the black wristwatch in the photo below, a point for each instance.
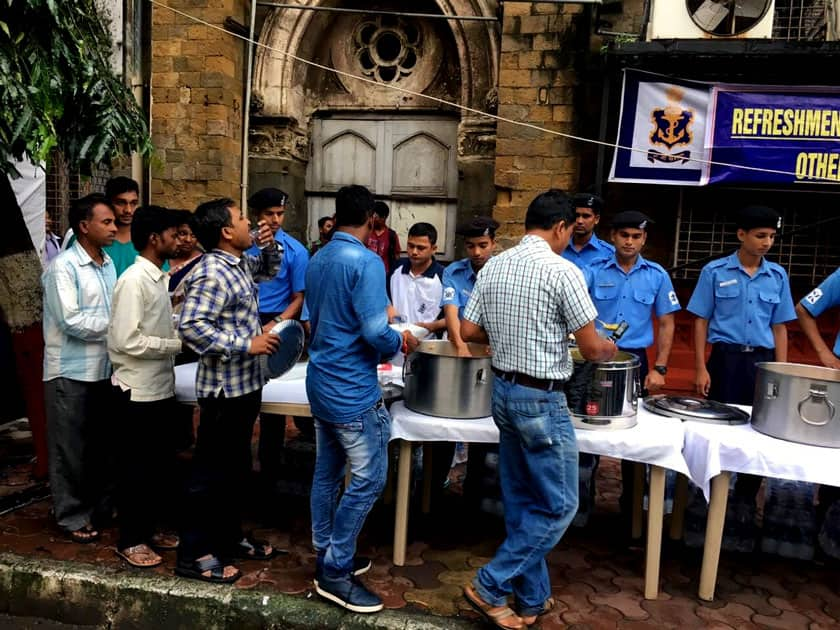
(662, 369)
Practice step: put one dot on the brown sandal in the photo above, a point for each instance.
(495, 615)
(140, 556)
(164, 542)
(530, 620)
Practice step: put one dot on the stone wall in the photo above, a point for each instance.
(197, 91)
(537, 81)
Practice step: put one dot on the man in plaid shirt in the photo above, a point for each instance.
(525, 303)
(220, 322)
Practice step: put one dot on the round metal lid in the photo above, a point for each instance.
(696, 409)
(288, 352)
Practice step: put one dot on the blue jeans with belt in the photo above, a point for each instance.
(363, 444)
(538, 470)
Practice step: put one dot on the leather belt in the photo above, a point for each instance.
(517, 378)
(735, 347)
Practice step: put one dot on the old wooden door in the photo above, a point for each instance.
(407, 162)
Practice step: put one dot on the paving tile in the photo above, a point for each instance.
(424, 575)
(757, 602)
(673, 613)
(575, 596)
(440, 601)
(625, 601)
(788, 620)
(733, 614)
(599, 618)
(599, 578)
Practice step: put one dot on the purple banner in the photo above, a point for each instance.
(791, 134)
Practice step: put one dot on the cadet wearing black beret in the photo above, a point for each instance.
(268, 198)
(589, 200)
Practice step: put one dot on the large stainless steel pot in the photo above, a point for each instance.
(440, 383)
(604, 395)
(797, 403)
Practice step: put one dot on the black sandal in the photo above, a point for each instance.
(253, 549)
(196, 568)
(84, 535)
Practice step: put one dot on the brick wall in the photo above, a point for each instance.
(197, 92)
(536, 85)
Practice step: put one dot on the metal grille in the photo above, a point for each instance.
(800, 19)
(807, 246)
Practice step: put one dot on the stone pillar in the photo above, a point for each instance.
(536, 85)
(197, 91)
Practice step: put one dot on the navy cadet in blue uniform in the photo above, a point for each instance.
(627, 287)
(459, 277)
(458, 281)
(741, 302)
(585, 247)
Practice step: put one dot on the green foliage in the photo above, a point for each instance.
(58, 89)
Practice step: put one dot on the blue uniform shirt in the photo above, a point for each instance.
(823, 298)
(347, 306)
(742, 309)
(276, 294)
(458, 282)
(632, 297)
(594, 251)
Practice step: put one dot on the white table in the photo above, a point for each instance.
(713, 452)
(655, 440)
(282, 396)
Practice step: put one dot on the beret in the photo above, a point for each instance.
(588, 200)
(268, 198)
(753, 217)
(479, 226)
(631, 218)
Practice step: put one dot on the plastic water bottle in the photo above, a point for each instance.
(789, 528)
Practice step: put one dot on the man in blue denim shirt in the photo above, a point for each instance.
(525, 302)
(347, 304)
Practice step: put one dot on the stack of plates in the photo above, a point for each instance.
(696, 409)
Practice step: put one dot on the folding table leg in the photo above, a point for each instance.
(714, 536)
(401, 516)
(656, 509)
(678, 511)
(638, 499)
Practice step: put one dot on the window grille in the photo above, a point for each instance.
(800, 19)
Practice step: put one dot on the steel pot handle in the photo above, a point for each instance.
(406, 364)
(817, 394)
(481, 377)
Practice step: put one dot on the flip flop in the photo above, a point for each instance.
(494, 615)
(252, 549)
(195, 570)
(130, 555)
(84, 535)
(164, 542)
(530, 620)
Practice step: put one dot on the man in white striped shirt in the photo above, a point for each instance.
(525, 303)
(77, 309)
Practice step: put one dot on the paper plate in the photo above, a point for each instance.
(288, 352)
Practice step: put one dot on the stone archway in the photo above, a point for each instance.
(461, 66)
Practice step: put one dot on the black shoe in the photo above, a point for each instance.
(348, 592)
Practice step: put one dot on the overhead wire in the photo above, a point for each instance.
(466, 108)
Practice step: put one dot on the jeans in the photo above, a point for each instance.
(363, 443)
(538, 470)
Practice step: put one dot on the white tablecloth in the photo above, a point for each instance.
(654, 440)
(711, 449)
(289, 388)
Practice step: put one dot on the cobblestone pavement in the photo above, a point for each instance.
(596, 574)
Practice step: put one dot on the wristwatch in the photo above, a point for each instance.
(661, 369)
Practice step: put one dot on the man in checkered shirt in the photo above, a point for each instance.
(220, 322)
(525, 303)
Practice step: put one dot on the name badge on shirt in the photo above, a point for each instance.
(726, 283)
(606, 284)
(448, 293)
